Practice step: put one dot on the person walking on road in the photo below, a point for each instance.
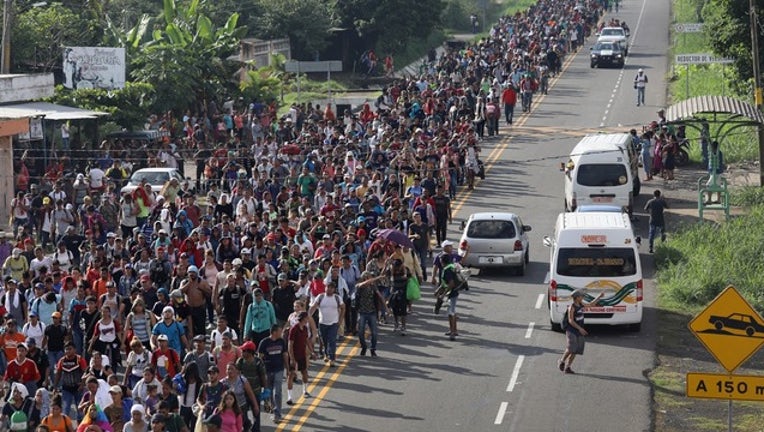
(656, 205)
(369, 301)
(574, 329)
(639, 84)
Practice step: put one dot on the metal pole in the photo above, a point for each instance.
(757, 82)
(5, 55)
(729, 415)
(687, 82)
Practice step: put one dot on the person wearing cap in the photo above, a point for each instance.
(23, 370)
(200, 356)
(39, 358)
(197, 293)
(226, 352)
(165, 360)
(447, 247)
(174, 333)
(252, 367)
(16, 264)
(53, 338)
(640, 81)
(118, 412)
(260, 316)
(575, 331)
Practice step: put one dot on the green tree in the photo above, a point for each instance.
(40, 33)
(127, 106)
(305, 22)
(727, 25)
(185, 57)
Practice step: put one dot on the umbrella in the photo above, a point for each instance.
(396, 237)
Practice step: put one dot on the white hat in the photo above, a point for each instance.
(446, 243)
(640, 70)
(236, 262)
(163, 337)
(168, 309)
(138, 408)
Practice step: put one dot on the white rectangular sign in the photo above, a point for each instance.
(688, 27)
(35, 130)
(312, 67)
(94, 67)
(701, 58)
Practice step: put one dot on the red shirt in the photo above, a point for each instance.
(22, 373)
(298, 337)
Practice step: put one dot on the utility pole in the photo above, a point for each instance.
(5, 53)
(757, 93)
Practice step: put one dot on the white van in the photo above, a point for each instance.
(601, 170)
(597, 252)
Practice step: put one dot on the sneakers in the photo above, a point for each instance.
(332, 364)
(306, 395)
(568, 370)
(561, 365)
(326, 359)
(373, 353)
(276, 419)
(403, 330)
(289, 402)
(363, 352)
(452, 337)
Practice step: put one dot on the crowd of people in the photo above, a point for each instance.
(188, 308)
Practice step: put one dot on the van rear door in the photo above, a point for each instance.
(603, 183)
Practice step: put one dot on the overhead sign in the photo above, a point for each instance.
(688, 27)
(720, 386)
(94, 67)
(702, 58)
(313, 66)
(730, 329)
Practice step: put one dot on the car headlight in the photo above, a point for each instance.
(594, 55)
(618, 56)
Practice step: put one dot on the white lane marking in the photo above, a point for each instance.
(500, 414)
(540, 300)
(515, 373)
(530, 330)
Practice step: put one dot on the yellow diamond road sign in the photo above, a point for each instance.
(730, 329)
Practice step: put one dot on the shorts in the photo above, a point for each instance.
(452, 305)
(575, 343)
(301, 364)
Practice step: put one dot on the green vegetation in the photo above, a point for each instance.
(714, 79)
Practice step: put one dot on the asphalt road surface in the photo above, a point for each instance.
(501, 373)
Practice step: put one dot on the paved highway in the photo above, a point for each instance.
(501, 373)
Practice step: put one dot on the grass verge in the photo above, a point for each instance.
(697, 80)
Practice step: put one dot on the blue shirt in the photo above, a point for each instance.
(174, 332)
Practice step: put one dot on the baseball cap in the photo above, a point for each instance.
(200, 338)
(115, 389)
(31, 341)
(283, 276)
(446, 243)
(248, 346)
(193, 269)
(246, 251)
(237, 262)
(163, 337)
(176, 293)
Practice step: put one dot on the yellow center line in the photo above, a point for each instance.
(497, 152)
(459, 203)
(311, 387)
(333, 379)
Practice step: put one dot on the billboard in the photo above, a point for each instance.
(94, 67)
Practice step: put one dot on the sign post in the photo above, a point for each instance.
(732, 331)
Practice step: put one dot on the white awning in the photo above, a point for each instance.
(48, 111)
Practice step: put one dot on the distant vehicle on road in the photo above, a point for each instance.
(737, 321)
(607, 53)
(156, 177)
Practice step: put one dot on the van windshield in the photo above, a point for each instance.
(602, 175)
(596, 262)
(491, 229)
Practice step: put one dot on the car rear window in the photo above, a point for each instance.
(491, 229)
(612, 32)
(596, 262)
(153, 178)
(600, 175)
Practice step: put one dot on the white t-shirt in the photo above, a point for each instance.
(217, 336)
(328, 309)
(35, 332)
(96, 178)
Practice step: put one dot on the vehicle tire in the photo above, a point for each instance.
(592, 64)
(555, 327)
(750, 331)
(682, 158)
(528, 255)
(521, 269)
(718, 325)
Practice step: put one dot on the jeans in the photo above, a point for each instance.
(68, 399)
(423, 261)
(441, 229)
(77, 338)
(275, 380)
(53, 358)
(654, 229)
(371, 320)
(509, 112)
(640, 95)
(329, 337)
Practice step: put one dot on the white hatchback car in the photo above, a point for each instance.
(156, 177)
(496, 240)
